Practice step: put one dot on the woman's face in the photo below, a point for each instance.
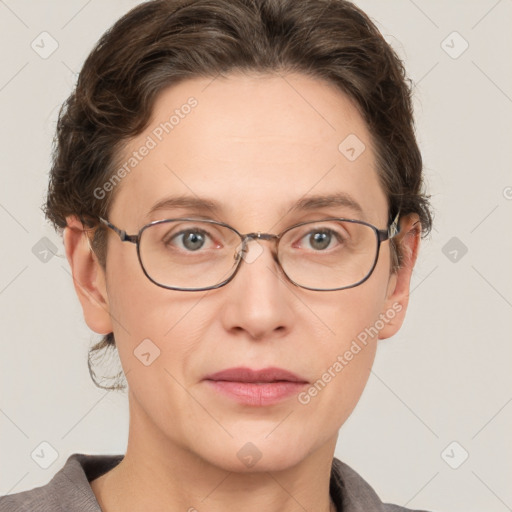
(255, 145)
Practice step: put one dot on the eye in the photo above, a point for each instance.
(321, 239)
(190, 240)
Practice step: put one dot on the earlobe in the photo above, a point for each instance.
(88, 277)
(397, 296)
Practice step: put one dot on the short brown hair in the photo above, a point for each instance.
(161, 42)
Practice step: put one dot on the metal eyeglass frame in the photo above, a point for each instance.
(381, 235)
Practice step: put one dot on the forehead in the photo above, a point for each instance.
(253, 143)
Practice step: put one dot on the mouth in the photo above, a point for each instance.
(256, 387)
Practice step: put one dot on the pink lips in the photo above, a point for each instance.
(256, 387)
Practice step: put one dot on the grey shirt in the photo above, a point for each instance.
(69, 490)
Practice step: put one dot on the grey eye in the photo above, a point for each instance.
(190, 240)
(320, 240)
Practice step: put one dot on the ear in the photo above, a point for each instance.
(397, 295)
(88, 276)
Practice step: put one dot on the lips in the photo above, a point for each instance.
(265, 375)
(256, 388)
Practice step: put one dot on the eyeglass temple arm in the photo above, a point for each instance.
(393, 229)
(122, 234)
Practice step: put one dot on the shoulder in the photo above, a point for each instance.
(352, 493)
(69, 489)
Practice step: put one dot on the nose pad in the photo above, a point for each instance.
(251, 254)
(251, 250)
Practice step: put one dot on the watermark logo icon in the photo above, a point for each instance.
(352, 147)
(44, 455)
(454, 249)
(249, 454)
(454, 455)
(44, 250)
(146, 352)
(44, 45)
(454, 45)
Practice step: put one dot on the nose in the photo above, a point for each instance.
(257, 300)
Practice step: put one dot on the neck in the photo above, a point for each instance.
(160, 475)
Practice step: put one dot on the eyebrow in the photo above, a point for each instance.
(205, 205)
(187, 202)
(328, 201)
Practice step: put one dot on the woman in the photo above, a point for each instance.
(240, 194)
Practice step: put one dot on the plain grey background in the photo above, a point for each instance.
(432, 429)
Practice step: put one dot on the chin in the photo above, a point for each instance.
(253, 456)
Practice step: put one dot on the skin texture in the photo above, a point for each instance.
(257, 144)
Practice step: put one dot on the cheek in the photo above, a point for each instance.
(348, 314)
(158, 333)
(147, 318)
(344, 356)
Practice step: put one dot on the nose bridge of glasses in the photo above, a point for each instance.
(260, 236)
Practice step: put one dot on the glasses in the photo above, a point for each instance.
(190, 254)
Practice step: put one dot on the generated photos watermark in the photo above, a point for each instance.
(151, 142)
(343, 360)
